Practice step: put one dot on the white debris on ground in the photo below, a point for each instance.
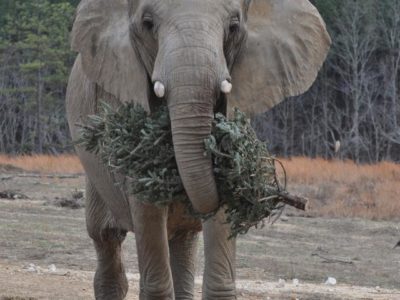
(133, 276)
(31, 268)
(52, 268)
(331, 281)
(281, 283)
(260, 287)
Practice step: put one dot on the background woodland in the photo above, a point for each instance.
(355, 99)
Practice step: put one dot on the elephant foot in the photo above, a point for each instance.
(109, 287)
(144, 296)
(223, 292)
(155, 291)
(219, 296)
(156, 287)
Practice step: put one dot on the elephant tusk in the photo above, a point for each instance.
(159, 89)
(226, 87)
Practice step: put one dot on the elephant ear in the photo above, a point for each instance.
(101, 35)
(286, 46)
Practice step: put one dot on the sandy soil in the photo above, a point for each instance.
(34, 234)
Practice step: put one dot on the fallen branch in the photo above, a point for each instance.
(334, 260)
(293, 200)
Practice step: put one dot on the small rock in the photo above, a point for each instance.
(281, 283)
(71, 203)
(78, 194)
(52, 268)
(12, 195)
(31, 268)
(331, 281)
(296, 282)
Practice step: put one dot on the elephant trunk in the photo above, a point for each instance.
(192, 90)
(191, 124)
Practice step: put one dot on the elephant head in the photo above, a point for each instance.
(201, 57)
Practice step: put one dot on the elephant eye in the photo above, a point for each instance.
(234, 25)
(148, 22)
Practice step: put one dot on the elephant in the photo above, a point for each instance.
(199, 58)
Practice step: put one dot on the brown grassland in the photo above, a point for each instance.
(335, 188)
(44, 163)
(345, 189)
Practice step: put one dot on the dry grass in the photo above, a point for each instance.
(44, 163)
(336, 188)
(344, 189)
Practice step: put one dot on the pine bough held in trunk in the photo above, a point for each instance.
(139, 146)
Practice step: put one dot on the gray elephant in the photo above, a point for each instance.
(200, 57)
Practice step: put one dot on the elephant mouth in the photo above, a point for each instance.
(221, 105)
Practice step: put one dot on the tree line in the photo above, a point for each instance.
(351, 112)
(35, 60)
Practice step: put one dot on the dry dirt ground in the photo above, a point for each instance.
(35, 234)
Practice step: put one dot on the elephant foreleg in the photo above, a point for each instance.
(183, 248)
(150, 225)
(110, 280)
(219, 252)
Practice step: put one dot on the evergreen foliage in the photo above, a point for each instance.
(140, 147)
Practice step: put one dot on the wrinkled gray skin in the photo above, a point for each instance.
(268, 49)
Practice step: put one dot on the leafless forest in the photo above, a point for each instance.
(355, 100)
(354, 103)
